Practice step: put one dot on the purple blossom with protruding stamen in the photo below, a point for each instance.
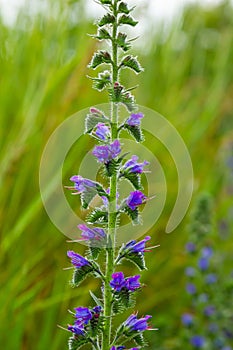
(132, 165)
(81, 184)
(133, 324)
(107, 152)
(77, 260)
(209, 310)
(83, 314)
(190, 247)
(77, 328)
(136, 247)
(203, 264)
(132, 283)
(207, 252)
(135, 119)
(102, 131)
(191, 288)
(135, 199)
(187, 319)
(198, 341)
(118, 281)
(90, 234)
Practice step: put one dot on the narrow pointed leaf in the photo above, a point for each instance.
(106, 19)
(100, 57)
(132, 63)
(135, 131)
(123, 8)
(76, 342)
(127, 19)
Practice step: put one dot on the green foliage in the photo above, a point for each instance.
(96, 300)
(133, 214)
(106, 19)
(123, 8)
(135, 131)
(132, 63)
(126, 19)
(100, 57)
(134, 179)
(138, 259)
(123, 300)
(140, 340)
(93, 119)
(122, 42)
(98, 216)
(80, 274)
(76, 342)
(103, 80)
(103, 34)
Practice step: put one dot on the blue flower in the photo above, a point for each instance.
(203, 264)
(132, 166)
(83, 314)
(118, 281)
(132, 283)
(136, 247)
(94, 233)
(187, 319)
(135, 199)
(190, 271)
(209, 310)
(102, 132)
(135, 119)
(77, 260)
(207, 252)
(211, 278)
(190, 247)
(133, 324)
(191, 288)
(108, 152)
(81, 184)
(197, 341)
(77, 328)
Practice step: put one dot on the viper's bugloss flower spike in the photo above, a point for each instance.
(81, 184)
(83, 314)
(118, 281)
(107, 152)
(77, 328)
(102, 132)
(77, 260)
(136, 247)
(135, 119)
(135, 199)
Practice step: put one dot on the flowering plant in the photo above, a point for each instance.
(93, 325)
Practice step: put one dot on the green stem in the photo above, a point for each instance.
(112, 216)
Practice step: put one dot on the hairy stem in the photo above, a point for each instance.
(110, 251)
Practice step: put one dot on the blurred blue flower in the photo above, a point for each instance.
(191, 288)
(203, 264)
(190, 247)
(211, 278)
(187, 319)
(198, 341)
(190, 271)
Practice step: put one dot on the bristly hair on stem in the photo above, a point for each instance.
(93, 325)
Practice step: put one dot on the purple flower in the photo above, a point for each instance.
(77, 329)
(118, 281)
(77, 260)
(135, 199)
(133, 324)
(190, 247)
(207, 252)
(135, 119)
(105, 153)
(197, 341)
(97, 310)
(94, 233)
(83, 314)
(191, 288)
(211, 278)
(136, 247)
(132, 166)
(187, 319)
(102, 131)
(118, 348)
(203, 264)
(190, 271)
(132, 283)
(209, 310)
(81, 184)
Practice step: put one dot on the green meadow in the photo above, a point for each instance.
(188, 78)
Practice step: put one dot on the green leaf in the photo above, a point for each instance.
(102, 34)
(80, 274)
(126, 19)
(96, 299)
(92, 120)
(76, 342)
(112, 167)
(135, 131)
(106, 2)
(97, 216)
(96, 326)
(132, 63)
(119, 94)
(106, 19)
(128, 100)
(139, 340)
(103, 80)
(135, 179)
(94, 252)
(138, 259)
(87, 196)
(123, 8)
(100, 57)
(133, 214)
(122, 42)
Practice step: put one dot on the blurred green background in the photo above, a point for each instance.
(188, 78)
